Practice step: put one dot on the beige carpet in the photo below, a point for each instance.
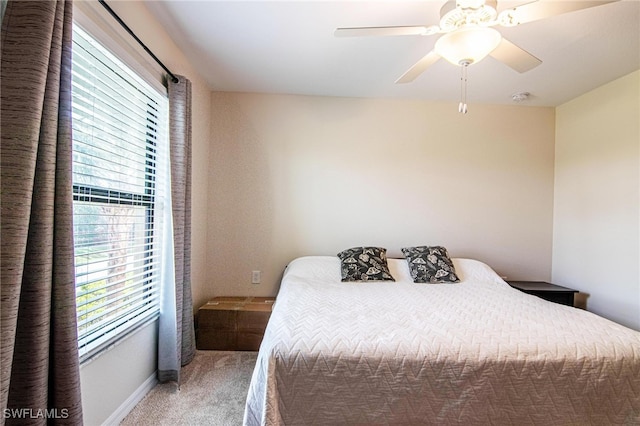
(213, 392)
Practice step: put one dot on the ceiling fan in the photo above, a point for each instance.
(468, 37)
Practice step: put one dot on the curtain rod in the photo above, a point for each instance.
(146, 49)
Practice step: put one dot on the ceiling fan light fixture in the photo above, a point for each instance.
(467, 45)
(520, 96)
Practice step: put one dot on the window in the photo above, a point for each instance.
(119, 128)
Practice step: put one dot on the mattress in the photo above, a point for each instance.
(474, 352)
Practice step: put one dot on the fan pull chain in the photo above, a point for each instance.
(462, 106)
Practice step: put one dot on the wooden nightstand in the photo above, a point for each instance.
(233, 323)
(546, 291)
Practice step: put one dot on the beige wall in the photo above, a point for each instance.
(297, 175)
(596, 244)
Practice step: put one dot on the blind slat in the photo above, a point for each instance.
(102, 336)
(115, 304)
(118, 126)
(86, 286)
(114, 294)
(114, 323)
(132, 274)
(98, 265)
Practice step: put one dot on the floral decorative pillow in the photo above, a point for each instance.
(364, 264)
(430, 265)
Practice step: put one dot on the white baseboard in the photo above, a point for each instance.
(125, 408)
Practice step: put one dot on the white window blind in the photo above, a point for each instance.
(119, 133)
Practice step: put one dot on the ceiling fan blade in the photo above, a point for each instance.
(544, 9)
(382, 31)
(514, 56)
(419, 67)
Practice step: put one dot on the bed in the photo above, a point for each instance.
(474, 352)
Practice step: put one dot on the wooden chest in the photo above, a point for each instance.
(233, 323)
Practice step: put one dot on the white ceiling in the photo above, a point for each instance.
(289, 47)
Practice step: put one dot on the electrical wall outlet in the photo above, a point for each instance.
(255, 277)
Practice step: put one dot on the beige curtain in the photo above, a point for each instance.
(176, 345)
(39, 356)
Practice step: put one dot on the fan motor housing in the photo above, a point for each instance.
(457, 13)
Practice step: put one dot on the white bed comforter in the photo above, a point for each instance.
(477, 352)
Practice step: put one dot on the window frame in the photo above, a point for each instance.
(141, 313)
